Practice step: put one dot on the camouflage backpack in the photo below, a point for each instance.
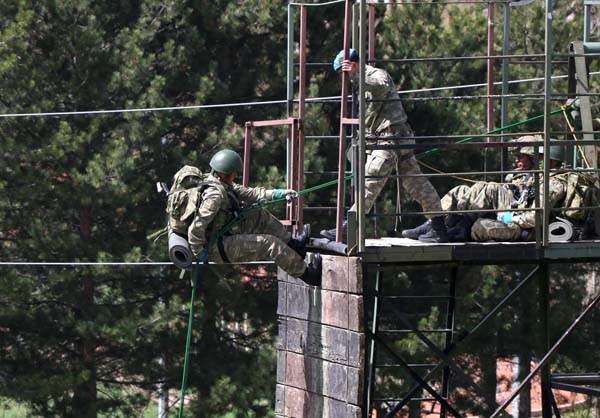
(581, 192)
(184, 197)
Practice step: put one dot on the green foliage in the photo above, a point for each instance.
(82, 188)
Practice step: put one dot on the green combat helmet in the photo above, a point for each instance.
(557, 152)
(227, 161)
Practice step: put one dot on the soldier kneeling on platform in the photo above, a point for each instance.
(255, 234)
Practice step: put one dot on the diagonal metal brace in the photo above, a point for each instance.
(464, 336)
(442, 354)
(414, 375)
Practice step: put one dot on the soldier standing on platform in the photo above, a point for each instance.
(385, 120)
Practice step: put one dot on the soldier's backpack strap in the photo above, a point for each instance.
(581, 192)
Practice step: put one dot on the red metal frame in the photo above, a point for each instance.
(294, 209)
(342, 139)
(490, 70)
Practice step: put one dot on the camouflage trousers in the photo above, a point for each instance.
(485, 229)
(484, 195)
(481, 195)
(382, 162)
(260, 236)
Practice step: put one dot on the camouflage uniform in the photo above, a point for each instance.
(481, 195)
(385, 117)
(259, 236)
(485, 229)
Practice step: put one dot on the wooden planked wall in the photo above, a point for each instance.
(320, 353)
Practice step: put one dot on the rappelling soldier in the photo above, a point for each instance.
(255, 234)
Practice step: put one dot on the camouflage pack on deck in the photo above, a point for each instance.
(581, 192)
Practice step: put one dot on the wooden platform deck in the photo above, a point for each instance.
(407, 251)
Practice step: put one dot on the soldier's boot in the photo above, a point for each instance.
(330, 233)
(312, 274)
(527, 235)
(437, 233)
(461, 231)
(416, 232)
(452, 220)
(298, 241)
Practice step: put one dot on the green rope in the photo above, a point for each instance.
(204, 256)
(188, 340)
(494, 131)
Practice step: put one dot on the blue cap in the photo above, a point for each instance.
(337, 61)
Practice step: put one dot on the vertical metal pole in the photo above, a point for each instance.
(355, 29)
(371, 36)
(372, 347)
(451, 308)
(300, 201)
(587, 22)
(163, 386)
(545, 335)
(289, 209)
(302, 64)
(301, 115)
(490, 78)
(247, 141)
(360, 201)
(290, 84)
(294, 170)
(547, 104)
(505, 74)
(341, 187)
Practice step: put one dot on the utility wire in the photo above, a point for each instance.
(255, 103)
(107, 263)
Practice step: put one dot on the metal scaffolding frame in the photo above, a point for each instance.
(359, 30)
(579, 86)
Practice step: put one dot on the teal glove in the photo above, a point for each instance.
(505, 217)
(281, 193)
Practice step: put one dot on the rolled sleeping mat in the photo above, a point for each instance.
(180, 252)
(560, 230)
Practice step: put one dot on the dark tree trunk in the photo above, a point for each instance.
(86, 395)
(525, 355)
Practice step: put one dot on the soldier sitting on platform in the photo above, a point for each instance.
(573, 190)
(517, 193)
(520, 226)
(257, 235)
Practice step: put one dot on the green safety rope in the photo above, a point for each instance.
(203, 258)
(188, 339)
(496, 130)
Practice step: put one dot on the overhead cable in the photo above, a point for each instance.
(105, 263)
(256, 103)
